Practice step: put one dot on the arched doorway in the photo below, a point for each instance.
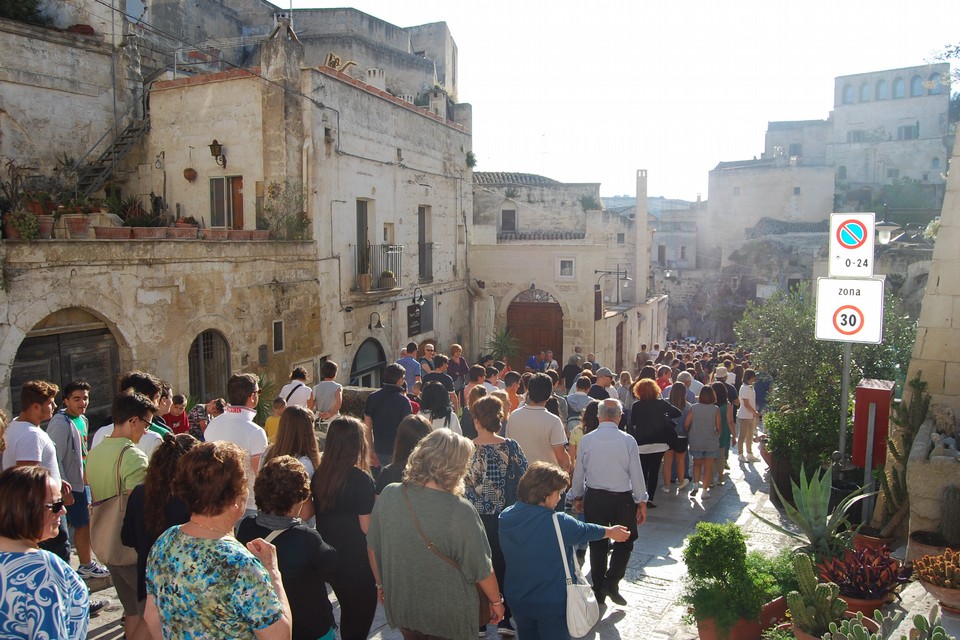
(209, 363)
(368, 364)
(535, 318)
(71, 344)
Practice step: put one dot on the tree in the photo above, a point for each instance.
(22, 10)
(802, 418)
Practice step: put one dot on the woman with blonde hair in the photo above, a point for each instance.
(428, 548)
(343, 497)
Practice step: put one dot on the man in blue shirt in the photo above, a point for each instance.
(536, 364)
(608, 488)
(409, 362)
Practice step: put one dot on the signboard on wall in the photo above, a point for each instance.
(413, 320)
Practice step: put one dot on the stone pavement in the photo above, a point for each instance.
(654, 581)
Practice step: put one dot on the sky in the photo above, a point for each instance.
(592, 92)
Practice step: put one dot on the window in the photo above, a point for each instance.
(841, 173)
(425, 244)
(916, 86)
(796, 149)
(567, 268)
(899, 88)
(363, 238)
(881, 90)
(935, 163)
(736, 191)
(209, 365)
(277, 336)
(848, 94)
(893, 174)
(908, 132)
(934, 83)
(865, 92)
(621, 238)
(683, 253)
(662, 255)
(857, 135)
(508, 220)
(796, 191)
(226, 202)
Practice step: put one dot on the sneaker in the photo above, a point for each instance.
(665, 489)
(483, 632)
(711, 485)
(93, 569)
(683, 483)
(705, 494)
(97, 605)
(504, 628)
(742, 458)
(693, 489)
(753, 459)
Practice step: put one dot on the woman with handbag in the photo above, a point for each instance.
(538, 565)
(42, 596)
(652, 426)
(428, 549)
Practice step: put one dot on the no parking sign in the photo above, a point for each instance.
(850, 310)
(851, 245)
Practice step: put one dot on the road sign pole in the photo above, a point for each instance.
(844, 400)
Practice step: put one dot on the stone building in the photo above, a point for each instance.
(370, 182)
(555, 267)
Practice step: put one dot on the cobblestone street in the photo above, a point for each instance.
(654, 581)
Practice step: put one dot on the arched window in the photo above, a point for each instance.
(865, 92)
(899, 88)
(935, 164)
(934, 84)
(368, 364)
(848, 94)
(841, 173)
(881, 92)
(209, 364)
(916, 86)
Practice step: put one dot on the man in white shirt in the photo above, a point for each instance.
(296, 392)
(25, 443)
(236, 425)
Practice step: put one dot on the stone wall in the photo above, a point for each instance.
(926, 480)
(156, 297)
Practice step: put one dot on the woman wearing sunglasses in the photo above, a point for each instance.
(40, 596)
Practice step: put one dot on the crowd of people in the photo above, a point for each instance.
(440, 504)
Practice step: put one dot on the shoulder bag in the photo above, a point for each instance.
(583, 610)
(106, 520)
(484, 602)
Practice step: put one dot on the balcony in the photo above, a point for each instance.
(425, 258)
(374, 260)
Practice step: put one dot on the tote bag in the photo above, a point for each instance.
(583, 610)
(106, 519)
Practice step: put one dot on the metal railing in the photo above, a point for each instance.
(374, 259)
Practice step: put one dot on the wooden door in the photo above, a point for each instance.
(236, 201)
(619, 358)
(536, 325)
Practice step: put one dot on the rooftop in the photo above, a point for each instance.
(773, 227)
(502, 177)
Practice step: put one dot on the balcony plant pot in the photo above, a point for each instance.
(149, 233)
(78, 225)
(218, 233)
(388, 282)
(186, 232)
(238, 234)
(260, 234)
(364, 282)
(46, 226)
(112, 233)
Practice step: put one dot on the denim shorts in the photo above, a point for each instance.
(699, 454)
(78, 514)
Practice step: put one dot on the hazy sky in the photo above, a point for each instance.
(593, 91)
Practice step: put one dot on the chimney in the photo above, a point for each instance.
(376, 78)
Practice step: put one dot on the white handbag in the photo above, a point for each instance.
(583, 611)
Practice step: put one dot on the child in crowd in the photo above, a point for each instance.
(177, 418)
(272, 423)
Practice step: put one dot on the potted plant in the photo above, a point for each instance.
(74, 215)
(21, 225)
(284, 209)
(183, 229)
(262, 232)
(940, 576)
(860, 627)
(190, 174)
(145, 225)
(867, 577)
(718, 565)
(814, 605)
(826, 533)
(364, 279)
(388, 279)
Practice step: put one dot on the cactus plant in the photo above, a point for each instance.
(949, 522)
(941, 571)
(816, 604)
(928, 628)
(856, 629)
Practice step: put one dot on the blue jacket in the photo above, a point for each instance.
(529, 542)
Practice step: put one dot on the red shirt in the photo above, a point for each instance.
(179, 424)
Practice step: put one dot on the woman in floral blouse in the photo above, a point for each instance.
(492, 479)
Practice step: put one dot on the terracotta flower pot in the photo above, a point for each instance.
(11, 232)
(742, 630)
(924, 543)
(866, 606)
(78, 225)
(870, 624)
(46, 226)
(260, 234)
(773, 612)
(190, 174)
(149, 233)
(182, 233)
(218, 233)
(112, 233)
(238, 234)
(949, 599)
(865, 539)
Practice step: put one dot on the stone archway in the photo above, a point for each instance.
(368, 364)
(209, 365)
(535, 318)
(67, 345)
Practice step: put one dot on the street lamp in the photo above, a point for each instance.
(887, 229)
(619, 273)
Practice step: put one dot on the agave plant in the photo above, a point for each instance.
(502, 344)
(826, 533)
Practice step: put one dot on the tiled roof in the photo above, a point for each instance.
(501, 177)
(772, 227)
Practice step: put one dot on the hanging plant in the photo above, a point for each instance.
(190, 174)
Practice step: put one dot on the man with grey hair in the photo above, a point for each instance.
(608, 488)
(687, 380)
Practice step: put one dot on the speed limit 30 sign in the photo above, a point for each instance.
(850, 310)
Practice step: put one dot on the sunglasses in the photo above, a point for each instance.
(55, 507)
